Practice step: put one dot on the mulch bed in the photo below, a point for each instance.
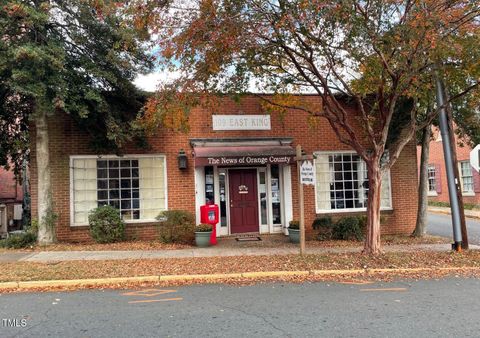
(267, 241)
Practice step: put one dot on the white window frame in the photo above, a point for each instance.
(470, 192)
(434, 191)
(348, 210)
(126, 156)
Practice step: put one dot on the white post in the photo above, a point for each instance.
(300, 200)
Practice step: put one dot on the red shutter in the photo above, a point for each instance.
(476, 180)
(438, 179)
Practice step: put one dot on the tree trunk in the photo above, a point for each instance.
(421, 226)
(46, 231)
(372, 240)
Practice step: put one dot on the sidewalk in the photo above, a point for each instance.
(59, 256)
(447, 211)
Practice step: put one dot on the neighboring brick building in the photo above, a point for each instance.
(238, 157)
(11, 198)
(437, 177)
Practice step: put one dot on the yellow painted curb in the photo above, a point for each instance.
(460, 268)
(337, 272)
(8, 285)
(257, 274)
(274, 274)
(412, 270)
(80, 282)
(198, 277)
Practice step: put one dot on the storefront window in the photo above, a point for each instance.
(276, 193)
(133, 185)
(223, 199)
(263, 197)
(342, 183)
(209, 191)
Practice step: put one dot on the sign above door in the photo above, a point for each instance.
(241, 122)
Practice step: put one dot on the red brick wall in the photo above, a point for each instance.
(66, 140)
(436, 158)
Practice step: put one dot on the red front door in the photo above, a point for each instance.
(243, 200)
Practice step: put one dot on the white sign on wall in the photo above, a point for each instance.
(475, 158)
(241, 122)
(307, 173)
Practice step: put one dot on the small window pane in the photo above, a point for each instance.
(113, 194)
(126, 183)
(102, 173)
(134, 183)
(102, 194)
(126, 193)
(113, 184)
(102, 184)
(113, 173)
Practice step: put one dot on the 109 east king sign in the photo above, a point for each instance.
(241, 122)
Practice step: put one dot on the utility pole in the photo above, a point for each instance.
(456, 171)
(449, 164)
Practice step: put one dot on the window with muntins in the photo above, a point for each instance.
(432, 182)
(467, 176)
(342, 183)
(133, 185)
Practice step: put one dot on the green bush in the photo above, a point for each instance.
(203, 228)
(324, 225)
(20, 240)
(349, 228)
(295, 225)
(106, 225)
(176, 226)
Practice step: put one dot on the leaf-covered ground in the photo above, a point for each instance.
(268, 241)
(25, 271)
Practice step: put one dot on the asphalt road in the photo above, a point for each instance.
(441, 225)
(433, 308)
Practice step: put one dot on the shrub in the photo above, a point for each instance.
(106, 225)
(19, 240)
(295, 225)
(348, 228)
(203, 228)
(176, 226)
(324, 225)
(23, 239)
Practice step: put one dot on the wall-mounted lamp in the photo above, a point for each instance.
(182, 159)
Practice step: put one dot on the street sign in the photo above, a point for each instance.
(475, 158)
(307, 173)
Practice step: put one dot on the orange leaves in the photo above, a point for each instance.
(170, 106)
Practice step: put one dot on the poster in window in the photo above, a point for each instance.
(275, 197)
(209, 179)
(275, 186)
(209, 188)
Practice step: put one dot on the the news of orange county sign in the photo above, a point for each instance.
(307, 173)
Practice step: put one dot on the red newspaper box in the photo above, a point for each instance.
(210, 214)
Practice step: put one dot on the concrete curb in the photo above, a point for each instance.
(447, 211)
(31, 285)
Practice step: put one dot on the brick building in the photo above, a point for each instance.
(11, 198)
(237, 157)
(437, 177)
